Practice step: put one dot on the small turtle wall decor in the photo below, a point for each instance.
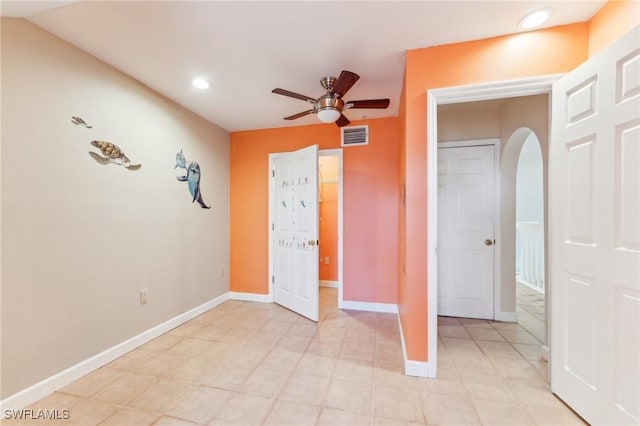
(111, 154)
(192, 178)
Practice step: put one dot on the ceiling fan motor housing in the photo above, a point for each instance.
(329, 102)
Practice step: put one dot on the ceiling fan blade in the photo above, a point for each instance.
(342, 121)
(369, 103)
(293, 95)
(346, 80)
(300, 114)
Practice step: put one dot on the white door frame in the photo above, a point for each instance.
(451, 95)
(497, 233)
(321, 153)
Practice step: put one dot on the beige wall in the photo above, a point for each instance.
(510, 120)
(79, 239)
(469, 120)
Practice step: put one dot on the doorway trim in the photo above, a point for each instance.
(451, 95)
(321, 153)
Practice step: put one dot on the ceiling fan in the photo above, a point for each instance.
(329, 106)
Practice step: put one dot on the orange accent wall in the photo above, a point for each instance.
(329, 232)
(549, 51)
(370, 200)
(612, 21)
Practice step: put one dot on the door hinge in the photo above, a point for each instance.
(273, 173)
(273, 279)
(273, 226)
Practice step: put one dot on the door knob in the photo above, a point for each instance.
(488, 242)
(312, 242)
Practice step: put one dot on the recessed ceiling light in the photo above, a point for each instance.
(535, 18)
(200, 83)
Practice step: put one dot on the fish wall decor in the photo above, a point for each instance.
(80, 122)
(192, 178)
(111, 154)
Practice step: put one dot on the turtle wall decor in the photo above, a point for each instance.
(192, 178)
(112, 154)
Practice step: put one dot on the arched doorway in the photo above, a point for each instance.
(530, 217)
(523, 210)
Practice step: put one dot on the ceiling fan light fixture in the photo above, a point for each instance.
(329, 108)
(328, 115)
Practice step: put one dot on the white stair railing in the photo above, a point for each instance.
(532, 254)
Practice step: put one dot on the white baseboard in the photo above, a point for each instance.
(250, 297)
(545, 352)
(330, 284)
(507, 316)
(49, 385)
(389, 308)
(415, 368)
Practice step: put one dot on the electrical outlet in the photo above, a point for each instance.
(221, 272)
(143, 296)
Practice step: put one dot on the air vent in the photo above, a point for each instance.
(355, 135)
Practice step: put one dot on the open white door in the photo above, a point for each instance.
(295, 231)
(594, 260)
(466, 200)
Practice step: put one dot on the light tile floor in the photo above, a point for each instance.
(530, 309)
(246, 363)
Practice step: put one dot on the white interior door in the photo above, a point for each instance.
(594, 189)
(466, 200)
(295, 231)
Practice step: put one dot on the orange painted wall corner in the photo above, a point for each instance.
(370, 198)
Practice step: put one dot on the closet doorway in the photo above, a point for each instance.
(330, 183)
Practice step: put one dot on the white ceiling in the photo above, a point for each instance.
(246, 49)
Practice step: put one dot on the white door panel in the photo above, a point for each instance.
(465, 220)
(595, 236)
(295, 231)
